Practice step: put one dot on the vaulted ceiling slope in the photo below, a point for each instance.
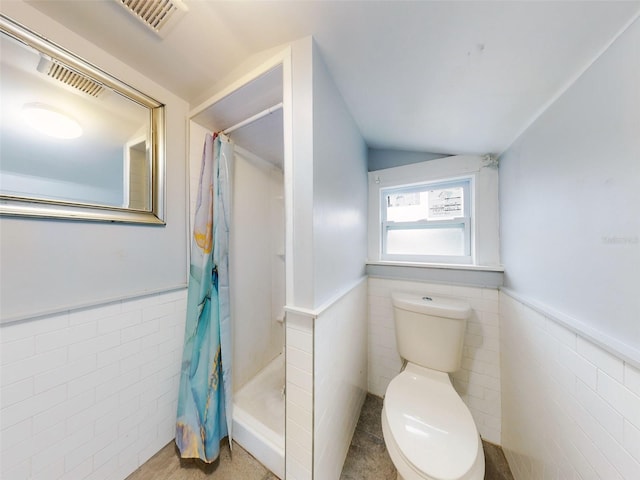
(447, 77)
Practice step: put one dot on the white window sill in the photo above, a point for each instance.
(457, 274)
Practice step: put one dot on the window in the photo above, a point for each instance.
(446, 229)
(427, 222)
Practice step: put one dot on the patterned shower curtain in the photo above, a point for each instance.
(205, 401)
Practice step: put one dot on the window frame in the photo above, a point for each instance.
(485, 225)
(466, 221)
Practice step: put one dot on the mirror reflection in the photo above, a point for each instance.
(70, 138)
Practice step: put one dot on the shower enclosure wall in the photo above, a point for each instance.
(256, 261)
(257, 306)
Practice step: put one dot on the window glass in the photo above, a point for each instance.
(431, 241)
(422, 222)
(446, 203)
(407, 206)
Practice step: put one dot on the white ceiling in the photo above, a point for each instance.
(446, 77)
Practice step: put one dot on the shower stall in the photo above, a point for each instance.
(257, 306)
(251, 116)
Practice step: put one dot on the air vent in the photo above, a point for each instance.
(158, 15)
(75, 80)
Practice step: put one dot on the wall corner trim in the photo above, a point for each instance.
(625, 352)
(314, 313)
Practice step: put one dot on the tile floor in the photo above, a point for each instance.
(367, 458)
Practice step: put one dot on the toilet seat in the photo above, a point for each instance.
(430, 427)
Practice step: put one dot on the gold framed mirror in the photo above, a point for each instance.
(75, 142)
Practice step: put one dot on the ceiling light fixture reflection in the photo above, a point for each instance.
(52, 122)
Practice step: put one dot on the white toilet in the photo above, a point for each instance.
(428, 430)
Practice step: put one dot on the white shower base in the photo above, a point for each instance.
(258, 416)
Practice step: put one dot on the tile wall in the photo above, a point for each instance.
(299, 397)
(571, 410)
(326, 383)
(340, 378)
(92, 393)
(478, 381)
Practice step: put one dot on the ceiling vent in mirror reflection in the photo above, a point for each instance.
(50, 121)
(158, 15)
(62, 73)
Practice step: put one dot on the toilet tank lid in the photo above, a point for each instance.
(429, 305)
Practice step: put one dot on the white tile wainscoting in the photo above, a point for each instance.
(340, 378)
(478, 381)
(571, 410)
(299, 396)
(326, 383)
(90, 393)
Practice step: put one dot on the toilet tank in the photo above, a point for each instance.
(430, 330)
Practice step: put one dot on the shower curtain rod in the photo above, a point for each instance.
(252, 119)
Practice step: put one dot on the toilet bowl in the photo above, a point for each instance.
(428, 430)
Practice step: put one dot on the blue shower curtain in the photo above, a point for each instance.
(204, 400)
